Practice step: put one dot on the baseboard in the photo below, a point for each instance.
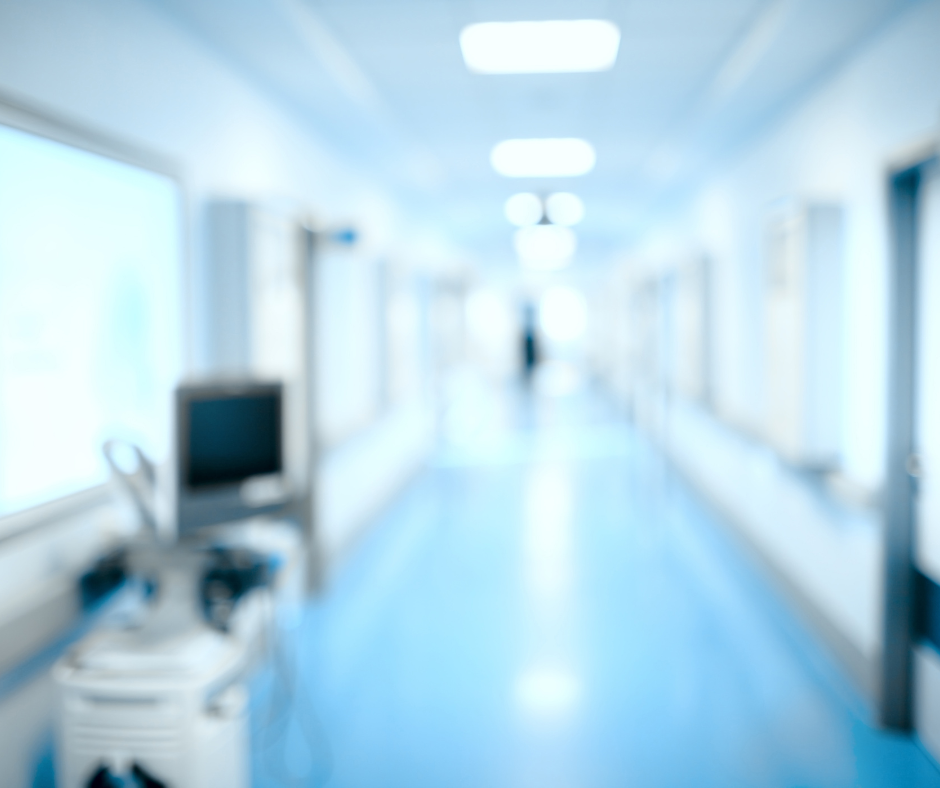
(861, 669)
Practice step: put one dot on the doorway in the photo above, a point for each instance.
(910, 671)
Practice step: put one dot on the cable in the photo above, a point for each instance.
(289, 702)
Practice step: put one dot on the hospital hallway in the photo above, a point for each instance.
(549, 604)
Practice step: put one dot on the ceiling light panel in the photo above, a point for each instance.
(549, 47)
(543, 158)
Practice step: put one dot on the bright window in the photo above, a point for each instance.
(89, 314)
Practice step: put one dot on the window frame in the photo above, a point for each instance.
(27, 116)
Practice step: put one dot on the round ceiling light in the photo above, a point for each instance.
(523, 209)
(564, 208)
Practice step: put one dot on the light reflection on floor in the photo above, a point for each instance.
(550, 606)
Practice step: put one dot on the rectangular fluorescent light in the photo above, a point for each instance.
(551, 47)
(543, 158)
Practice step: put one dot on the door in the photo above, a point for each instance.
(925, 460)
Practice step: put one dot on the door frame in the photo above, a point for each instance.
(895, 685)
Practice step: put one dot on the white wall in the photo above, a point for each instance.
(128, 70)
(835, 146)
(349, 344)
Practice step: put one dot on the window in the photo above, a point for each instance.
(90, 252)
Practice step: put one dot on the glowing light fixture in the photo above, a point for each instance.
(524, 209)
(488, 316)
(563, 314)
(543, 158)
(547, 692)
(564, 208)
(549, 47)
(545, 247)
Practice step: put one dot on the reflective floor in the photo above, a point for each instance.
(549, 605)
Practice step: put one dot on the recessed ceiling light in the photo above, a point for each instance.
(547, 692)
(545, 246)
(540, 47)
(543, 158)
(564, 208)
(524, 209)
(563, 314)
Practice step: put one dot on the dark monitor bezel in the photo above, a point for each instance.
(216, 503)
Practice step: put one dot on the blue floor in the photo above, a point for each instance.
(549, 606)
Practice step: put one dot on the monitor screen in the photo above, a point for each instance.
(233, 438)
(230, 443)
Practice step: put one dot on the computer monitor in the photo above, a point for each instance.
(230, 452)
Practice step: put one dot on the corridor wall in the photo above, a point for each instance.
(131, 77)
(835, 145)
(832, 145)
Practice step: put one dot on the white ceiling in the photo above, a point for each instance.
(384, 82)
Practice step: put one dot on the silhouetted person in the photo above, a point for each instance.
(530, 342)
